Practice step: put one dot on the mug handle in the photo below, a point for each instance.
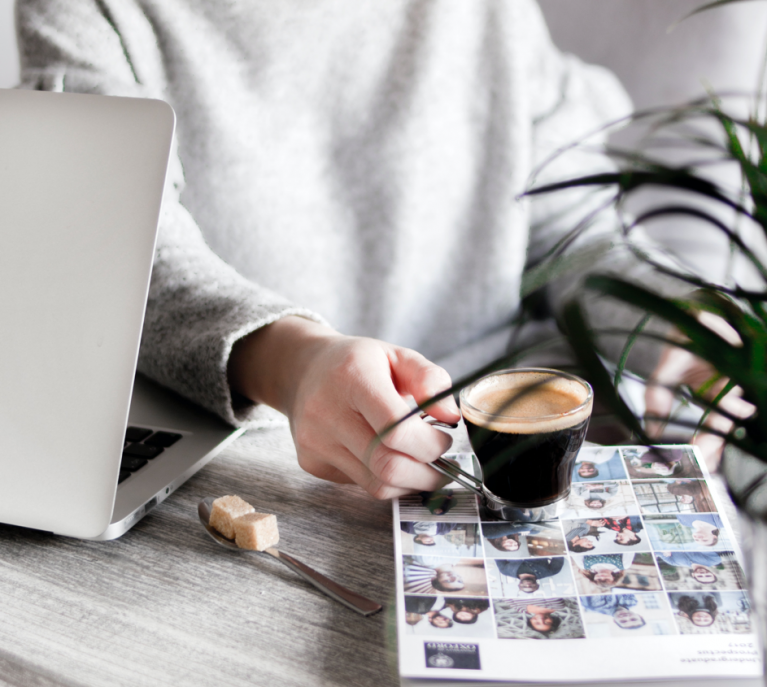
(455, 473)
(448, 469)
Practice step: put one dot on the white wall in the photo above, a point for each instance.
(9, 62)
(722, 48)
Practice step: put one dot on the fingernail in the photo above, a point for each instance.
(436, 423)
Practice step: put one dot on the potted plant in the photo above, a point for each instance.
(713, 135)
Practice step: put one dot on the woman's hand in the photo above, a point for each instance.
(678, 366)
(339, 392)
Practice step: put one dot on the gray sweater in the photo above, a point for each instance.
(352, 161)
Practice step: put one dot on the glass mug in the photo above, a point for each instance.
(526, 427)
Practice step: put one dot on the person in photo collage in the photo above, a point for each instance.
(596, 496)
(521, 540)
(426, 532)
(416, 607)
(700, 611)
(466, 611)
(599, 464)
(432, 575)
(618, 607)
(606, 570)
(528, 572)
(644, 463)
(599, 500)
(701, 570)
(712, 612)
(687, 532)
(582, 536)
(548, 618)
(699, 563)
(424, 574)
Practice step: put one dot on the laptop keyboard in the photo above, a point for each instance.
(141, 446)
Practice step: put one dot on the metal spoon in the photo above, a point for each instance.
(348, 598)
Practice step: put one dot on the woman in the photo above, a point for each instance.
(321, 178)
(423, 575)
(618, 607)
(543, 616)
(466, 611)
(506, 536)
(581, 538)
(626, 530)
(699, 613)
(606, 570)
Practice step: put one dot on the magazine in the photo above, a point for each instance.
(638, 577)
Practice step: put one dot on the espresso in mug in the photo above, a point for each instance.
(526, 428)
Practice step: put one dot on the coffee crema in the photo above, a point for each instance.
(527, 403)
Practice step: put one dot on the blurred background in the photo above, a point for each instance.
(9, 62)
(723, 48)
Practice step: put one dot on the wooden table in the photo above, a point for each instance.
(165, 605)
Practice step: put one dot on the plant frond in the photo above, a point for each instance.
(705, 8)
(630, 341)
(690, 211)
(583, 343)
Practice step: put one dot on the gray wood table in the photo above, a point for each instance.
(165, 605)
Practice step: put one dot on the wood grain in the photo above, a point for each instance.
(165, 605)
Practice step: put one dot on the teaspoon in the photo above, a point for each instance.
(348, 598)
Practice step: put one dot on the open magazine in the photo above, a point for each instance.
(637, 578)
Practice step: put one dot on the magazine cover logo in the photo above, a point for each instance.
(452, 655)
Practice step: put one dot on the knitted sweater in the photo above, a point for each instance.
(352, 161)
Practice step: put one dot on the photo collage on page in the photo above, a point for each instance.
(638, 549)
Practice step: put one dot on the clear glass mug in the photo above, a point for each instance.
(526, 427)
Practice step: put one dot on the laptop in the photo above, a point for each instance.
(87, 447)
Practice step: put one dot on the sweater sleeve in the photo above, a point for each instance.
(570, 102)
(198, 305)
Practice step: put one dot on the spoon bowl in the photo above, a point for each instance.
(348, 598)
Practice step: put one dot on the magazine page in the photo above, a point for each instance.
(638, 577)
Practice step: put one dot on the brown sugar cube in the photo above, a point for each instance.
(257, 531)
(225, 511)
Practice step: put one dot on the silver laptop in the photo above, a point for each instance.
(81, 183)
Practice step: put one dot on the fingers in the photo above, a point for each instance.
(677, 367)
(734, 404)
(673, 369)
(384, 464)
(351, 398)
(415, 375)
(658, 403)
(397, 474)
(381, 405)
(711, 445)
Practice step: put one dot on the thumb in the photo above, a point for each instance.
(415, 375)
(672, 369)
(658, 403)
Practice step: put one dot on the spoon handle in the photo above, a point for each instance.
(348, 598)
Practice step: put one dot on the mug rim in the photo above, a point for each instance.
(516, 370)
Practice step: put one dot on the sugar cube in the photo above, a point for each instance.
(225, 511)
(257, 531)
